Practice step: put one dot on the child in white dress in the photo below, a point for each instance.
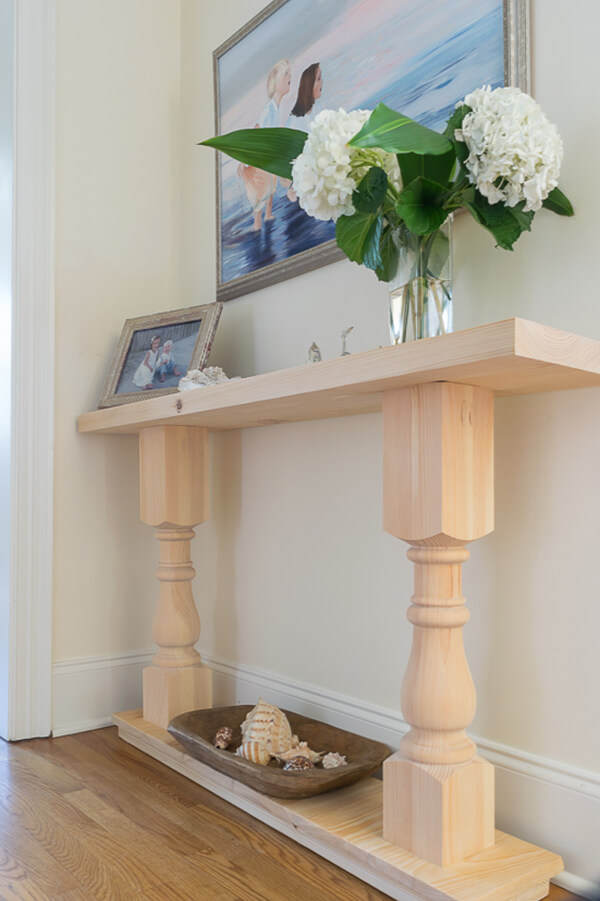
(143, 376)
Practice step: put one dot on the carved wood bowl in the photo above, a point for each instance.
(196, 729)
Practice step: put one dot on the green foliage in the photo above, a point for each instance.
(556, 202)
(434, 183)
(356, 236)
(438, 168)
(271, 149)
(388, 252)
(371, 191)
(395, 133)
(506, 224)
(421, 206)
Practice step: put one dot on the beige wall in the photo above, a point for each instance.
(117, 256)
(297, 577)
(309, 584)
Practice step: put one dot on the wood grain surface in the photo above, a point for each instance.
(89, 817)
(510, 357)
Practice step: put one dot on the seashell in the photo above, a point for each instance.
(334, 759)
(255, 751)
(223, 738)
(300, 749)
(270, 726)
(297, 764)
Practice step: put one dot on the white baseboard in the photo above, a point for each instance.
(86, 692)
(544, 801)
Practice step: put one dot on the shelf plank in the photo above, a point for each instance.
(510, 357)
(345, 827)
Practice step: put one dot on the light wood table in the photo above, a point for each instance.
(437, 800)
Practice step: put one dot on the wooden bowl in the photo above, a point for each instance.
(196, 729)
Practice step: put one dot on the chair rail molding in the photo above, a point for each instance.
(32, 417)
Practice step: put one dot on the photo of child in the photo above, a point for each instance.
(158, 360)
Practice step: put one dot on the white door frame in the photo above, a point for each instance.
(32, 418)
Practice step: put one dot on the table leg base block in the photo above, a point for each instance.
(170, 691)
(441, 813)
(345, 827)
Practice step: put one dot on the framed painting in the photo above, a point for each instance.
(155, 351)
(296, 57)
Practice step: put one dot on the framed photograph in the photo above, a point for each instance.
(155, 351)
(296, 57)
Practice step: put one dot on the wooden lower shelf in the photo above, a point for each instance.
(345, 827)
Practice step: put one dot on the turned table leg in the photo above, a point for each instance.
(174, 498)
(438, 495)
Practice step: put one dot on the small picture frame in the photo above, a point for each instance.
(155, 351)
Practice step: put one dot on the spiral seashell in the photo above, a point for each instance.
(297, 764)
(223, 738)
(333, 760)
(255, 751)
(270, 726)
(300, 749)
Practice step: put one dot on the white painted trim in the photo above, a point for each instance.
(390, 725)
(544, 801)
(29, 701)
(87, 691)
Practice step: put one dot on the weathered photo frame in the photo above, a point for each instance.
(155, 351)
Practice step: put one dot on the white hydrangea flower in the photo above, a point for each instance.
(515, 153)
(325, 174)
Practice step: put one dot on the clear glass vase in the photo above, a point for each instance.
(421, 290)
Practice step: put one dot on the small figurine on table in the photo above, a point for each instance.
(345, 352)
(314, 354)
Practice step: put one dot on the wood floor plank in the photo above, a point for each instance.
(90, 818)
(295, 865)
(22, 890)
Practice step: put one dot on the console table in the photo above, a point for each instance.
(428, 831)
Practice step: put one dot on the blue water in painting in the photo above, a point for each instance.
(427, 91)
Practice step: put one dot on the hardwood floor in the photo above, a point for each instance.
(89, 817)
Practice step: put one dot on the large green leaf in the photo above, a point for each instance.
(420, 205)
(556, 202)
(372, 252)
(396, 133)
(388, 251)
(371, 191)
(436, 168)
(504, 225)
(271, 149)
(355, 235)
(455, 122)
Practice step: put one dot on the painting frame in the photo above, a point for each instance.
(207, 316)
(516, 73)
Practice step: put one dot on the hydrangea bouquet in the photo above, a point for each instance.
(390, 184)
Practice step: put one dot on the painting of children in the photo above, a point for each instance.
(417, 56)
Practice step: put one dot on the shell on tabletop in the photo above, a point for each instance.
(255, 751)
(300, 749)
(223, 738)
(298, 764)
(269, 726)
(333, 760)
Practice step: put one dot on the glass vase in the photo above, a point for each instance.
(421, 290)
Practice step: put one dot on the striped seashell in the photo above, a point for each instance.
(255, 751)
(270, 726)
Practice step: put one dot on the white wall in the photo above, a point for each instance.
(299, 585)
